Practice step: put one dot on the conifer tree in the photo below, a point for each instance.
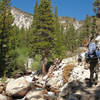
(87, 26)
(6, 21)
(59, 37)
(44, 34)
(43, 37)
(14, 40)
(86, 30)
(71, 38)
(35, 16)
(33, 30)
(93, 26)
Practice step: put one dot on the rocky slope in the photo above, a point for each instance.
(23, 19)
(65, 80)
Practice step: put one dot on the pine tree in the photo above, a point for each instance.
(35, 16)
(87, 26)
(46, 25)
(33, 31)
(71, 39)
(43, 37)
(6, 21)
(59, 37)
(86, 30)
(96, 7)
(14, 39)
(93, 26)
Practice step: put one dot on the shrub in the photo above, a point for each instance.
(17, 61)
(36, 65)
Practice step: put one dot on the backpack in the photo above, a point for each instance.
(86, 57)
(92, 49)
(98, 54)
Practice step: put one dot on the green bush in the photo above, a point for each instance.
(36, 65)
(22, 56)
(16, 62)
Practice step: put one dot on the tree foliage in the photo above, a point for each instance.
(42, 37)
(71, 38)
(60, 46)
(6, 21)
(96, 5)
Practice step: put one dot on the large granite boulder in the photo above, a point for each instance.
(17, 87)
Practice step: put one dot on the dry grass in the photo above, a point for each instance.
(66, 72)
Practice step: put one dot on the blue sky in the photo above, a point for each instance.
(73, 8)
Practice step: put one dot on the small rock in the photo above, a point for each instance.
(34, 94)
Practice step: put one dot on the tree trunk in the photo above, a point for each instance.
(44, 62)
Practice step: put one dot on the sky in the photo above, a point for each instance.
(72, 8)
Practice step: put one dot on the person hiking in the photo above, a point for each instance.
(92, 57)
(79, 59)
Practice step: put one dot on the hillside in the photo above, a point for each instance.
(23, 19)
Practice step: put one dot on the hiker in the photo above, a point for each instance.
(93, 57)
(79, 59)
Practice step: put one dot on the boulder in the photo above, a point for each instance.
(34, 94)
(17, 87)
(4, 97)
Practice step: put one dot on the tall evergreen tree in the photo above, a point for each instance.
(6, 21)
(44, 34)
(43, 37)
(59, 37)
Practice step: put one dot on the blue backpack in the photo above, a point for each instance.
(98, 54)
(92, 49)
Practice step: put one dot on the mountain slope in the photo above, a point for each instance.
(23, 19)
